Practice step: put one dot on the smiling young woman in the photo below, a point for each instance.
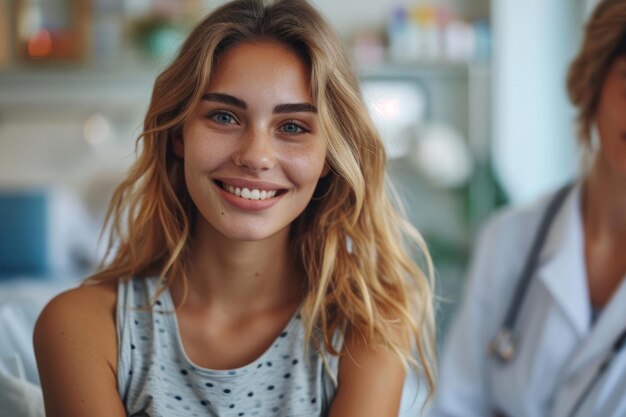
(258, 264)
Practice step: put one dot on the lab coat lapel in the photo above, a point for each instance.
(599, 342)
(562, 264)
(605, 397)
(611, 400)
(563, 271)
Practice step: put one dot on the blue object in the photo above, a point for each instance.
(23, 233)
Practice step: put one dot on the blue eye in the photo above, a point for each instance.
(223, 117)
(293, 128)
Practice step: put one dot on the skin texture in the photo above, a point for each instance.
(370, 382)
(243, 286)
(604, 192)
(76, 350)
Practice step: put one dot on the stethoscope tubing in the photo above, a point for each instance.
(503, 345)
(606, 363)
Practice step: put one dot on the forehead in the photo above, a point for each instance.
(257, 66)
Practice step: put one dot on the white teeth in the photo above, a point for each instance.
(253, 194)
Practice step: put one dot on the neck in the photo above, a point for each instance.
(604, 204)
(239, 276)
(604, 209)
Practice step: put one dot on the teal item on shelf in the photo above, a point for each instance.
(23, 233)
(159, 38)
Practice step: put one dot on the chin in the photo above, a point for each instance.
(249, 234)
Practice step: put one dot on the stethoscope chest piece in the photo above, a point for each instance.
(503, 346)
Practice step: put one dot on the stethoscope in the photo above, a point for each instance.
(503, 345)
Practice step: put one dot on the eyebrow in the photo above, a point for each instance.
(225, 98)
(280, 108)
(295, 108)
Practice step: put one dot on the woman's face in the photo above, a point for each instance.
(611, 118)
(252, 148)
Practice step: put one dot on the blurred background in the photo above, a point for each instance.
(468, 94)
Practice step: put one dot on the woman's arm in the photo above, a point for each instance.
(370, 382)
(76, 349)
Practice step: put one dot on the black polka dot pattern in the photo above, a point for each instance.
(280, 382)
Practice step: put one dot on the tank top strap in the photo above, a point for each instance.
(134, 312)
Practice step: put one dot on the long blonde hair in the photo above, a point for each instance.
(350, 242)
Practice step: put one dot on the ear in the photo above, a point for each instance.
(178, 145)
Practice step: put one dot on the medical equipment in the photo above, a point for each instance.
(503, 345)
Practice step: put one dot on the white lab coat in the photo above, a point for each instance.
(558, 348)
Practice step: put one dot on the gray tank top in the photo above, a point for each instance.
(156, 378)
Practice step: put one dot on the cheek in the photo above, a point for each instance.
(610, 115)
(202, 151)
(611, 129)
(305, 168)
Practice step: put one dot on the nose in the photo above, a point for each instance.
(256, 151)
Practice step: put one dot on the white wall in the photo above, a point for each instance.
(534, 145)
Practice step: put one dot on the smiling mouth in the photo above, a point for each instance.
(249, 194)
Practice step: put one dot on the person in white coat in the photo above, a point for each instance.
(541, 329)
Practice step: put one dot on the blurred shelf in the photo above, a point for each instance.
(127, 80)
(423, 69)
(64, 84)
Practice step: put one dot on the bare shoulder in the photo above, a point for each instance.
(370, 381)
(75, 342)
(88, 309)
(97, 295)
(80, 318)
